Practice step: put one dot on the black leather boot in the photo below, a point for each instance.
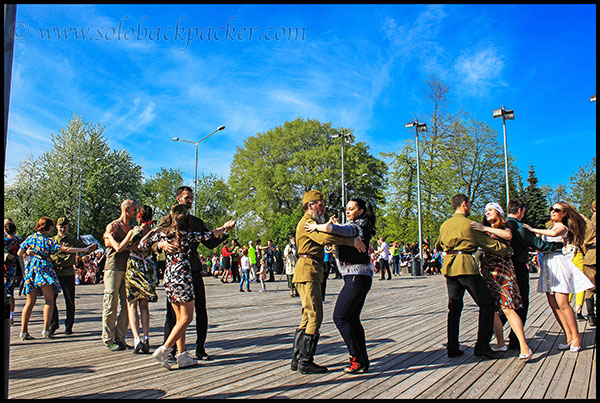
(308, 347)
(296, 353)
(589, 304)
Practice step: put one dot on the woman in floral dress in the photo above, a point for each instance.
(500, 277)
(178, 284)
(39, 273)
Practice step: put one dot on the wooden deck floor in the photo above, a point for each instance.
(250, 338)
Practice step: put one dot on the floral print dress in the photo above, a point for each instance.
(39, 271)
(140, 277)
(178, 272)
(11, 245)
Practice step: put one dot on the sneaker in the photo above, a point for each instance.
(241, 290)
(248, 290)
(184, 360)
(161, 355)
(114, 346)
(47, 335)
(355, 367)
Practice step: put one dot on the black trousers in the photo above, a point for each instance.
(235, 271)
(67, 284)
(201, 313)
(476, 287)
(384, 267)
(346, 314)
(522, 274)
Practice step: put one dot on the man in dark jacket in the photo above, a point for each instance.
(521, 242)
(185, 195)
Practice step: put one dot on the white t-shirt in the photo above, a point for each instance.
(384, 248)
(245, 261)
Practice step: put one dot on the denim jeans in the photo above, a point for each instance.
(346, 314)
(246, 278)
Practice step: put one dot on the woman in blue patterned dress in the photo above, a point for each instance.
(179, 288)
(501, 279)
(39, 273)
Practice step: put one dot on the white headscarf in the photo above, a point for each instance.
(496, 207)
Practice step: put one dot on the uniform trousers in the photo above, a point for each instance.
(67, 285)
(311, 298)
(476, 287)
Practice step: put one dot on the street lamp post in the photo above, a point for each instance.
(80, 183)
(419, 127)
(196, 169)
(345, 138)
(506, 114)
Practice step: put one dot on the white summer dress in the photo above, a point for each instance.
(558, 273)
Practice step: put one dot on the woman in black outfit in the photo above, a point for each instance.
(357, 272)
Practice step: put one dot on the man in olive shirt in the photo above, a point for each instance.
(63, 264)
(460, 268)
(308, 277)
(522, 241)
(114, 327)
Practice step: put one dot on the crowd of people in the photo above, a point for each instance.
(488, 259)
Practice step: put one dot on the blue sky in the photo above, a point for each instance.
(150, 73)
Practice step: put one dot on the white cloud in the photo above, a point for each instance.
(480, 70)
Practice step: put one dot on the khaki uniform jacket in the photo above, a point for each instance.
(63, 262)
(589, 243)
(311, 269)
(456, 234)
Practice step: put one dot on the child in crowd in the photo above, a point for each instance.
(262, 274)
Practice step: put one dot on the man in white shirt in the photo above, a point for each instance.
(383, 254)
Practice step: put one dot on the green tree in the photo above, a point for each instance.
(160, 189)
(536, 213)
(272, 171)
(583, 187)
(79, 156)
(458, 154)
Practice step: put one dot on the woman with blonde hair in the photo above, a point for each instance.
(559, 277)
(501, 279)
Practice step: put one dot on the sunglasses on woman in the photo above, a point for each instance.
(557, 210)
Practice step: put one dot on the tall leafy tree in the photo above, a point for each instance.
(79, 158)
(583, 187)
(272, 170)
(159, 190)
(458, 154)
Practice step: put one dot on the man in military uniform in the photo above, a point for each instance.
(308, 278)
(589, 263)
(63, 264)
(460, 268)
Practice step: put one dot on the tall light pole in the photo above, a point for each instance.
(419, 127)
(80, 183)
(506, 114)
(346, 138)
(196, 169)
